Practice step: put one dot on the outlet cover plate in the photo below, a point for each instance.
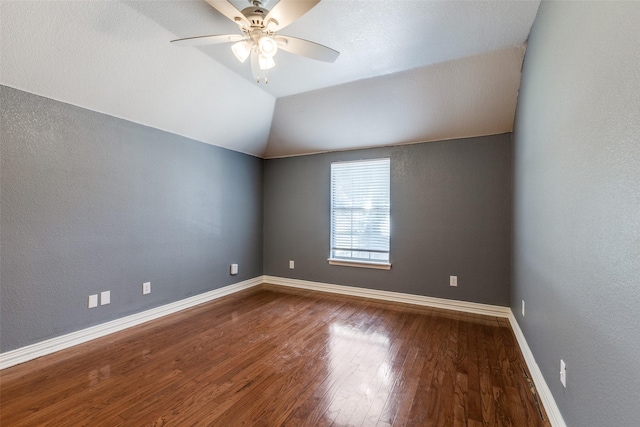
(146, 288)
(105, 297)
(93, 301)
(453, 280)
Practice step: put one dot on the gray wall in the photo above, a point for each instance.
(450, 215)
(91, 203)
(576, 249)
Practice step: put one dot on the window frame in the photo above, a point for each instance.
(355, 262)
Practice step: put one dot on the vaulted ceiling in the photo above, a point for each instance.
(408, 71)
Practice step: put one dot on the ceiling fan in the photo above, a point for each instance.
(259, 39)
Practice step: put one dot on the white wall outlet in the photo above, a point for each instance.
(234, 269)
(105, 297)
(563, 373)
(93, 301)
(522, 308)
(453, 280)
(146, 288)
(292, 264)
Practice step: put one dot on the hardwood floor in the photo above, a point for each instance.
(271, 357)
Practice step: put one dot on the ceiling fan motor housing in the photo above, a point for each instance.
(255, 15)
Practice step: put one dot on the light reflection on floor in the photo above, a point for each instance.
(95, 376)
(361, 375)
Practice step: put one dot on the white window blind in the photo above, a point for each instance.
(360, 220)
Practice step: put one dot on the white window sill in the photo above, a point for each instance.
(360, 264)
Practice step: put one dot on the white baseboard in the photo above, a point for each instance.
(549, 403)
(468, 307)
(30, 352)
(52, 345)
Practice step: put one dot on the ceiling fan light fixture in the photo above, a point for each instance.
(241, 50)
(259, 28)
(267, 46)
(266, 62)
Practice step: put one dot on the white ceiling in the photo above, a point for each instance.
(409, 71)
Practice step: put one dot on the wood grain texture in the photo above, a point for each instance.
(279, 357)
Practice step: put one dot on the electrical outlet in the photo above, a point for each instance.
(522, 308)
(234, 269)
(93, 301)
(146, 288)
(105, 297)
(453, 280)
(292, 264)
(563, 373)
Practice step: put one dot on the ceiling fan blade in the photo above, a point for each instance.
(203, 40)
(306, 48)
(230, 11)
(287, 11)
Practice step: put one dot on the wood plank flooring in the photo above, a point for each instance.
(277, 357)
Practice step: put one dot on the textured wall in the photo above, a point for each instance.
(91, 203)
(450, 215)
(577, 207)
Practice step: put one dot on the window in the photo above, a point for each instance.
(360, 219)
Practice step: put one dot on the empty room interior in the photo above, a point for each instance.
(332, 213)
